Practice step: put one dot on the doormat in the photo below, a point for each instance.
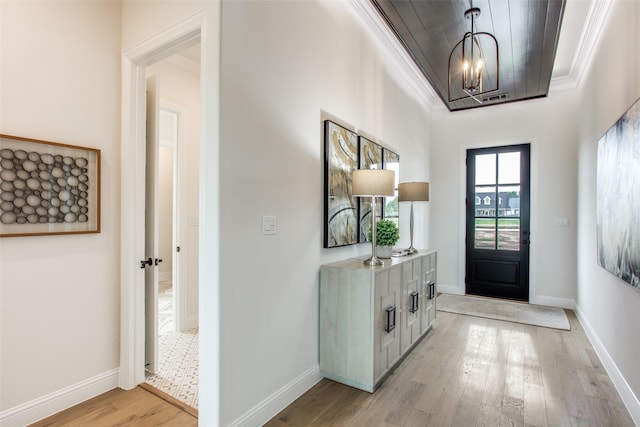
(529, 314)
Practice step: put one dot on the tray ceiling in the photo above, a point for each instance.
(527, 32)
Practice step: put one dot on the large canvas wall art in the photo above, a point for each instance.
(341, 159)
(618, 198)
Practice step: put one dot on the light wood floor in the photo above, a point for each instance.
(467, 371)
(137, 407)
(470, 371)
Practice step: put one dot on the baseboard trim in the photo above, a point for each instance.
(553, 302)
(450, 289)
(60, 400)
(268, 408)
(628, 397)
(190, 322)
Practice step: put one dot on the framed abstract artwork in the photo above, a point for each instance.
(370, 158)
(391, 161)
(618, 198)
(340, 209)
(48, 188)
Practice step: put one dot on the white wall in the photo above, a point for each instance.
(283, 64)
(179, 89)
(550, 125)
(608, 307)
(59, 308)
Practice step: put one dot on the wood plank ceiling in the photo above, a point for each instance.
(527, 33)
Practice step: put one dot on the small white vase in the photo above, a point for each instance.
(384, 251)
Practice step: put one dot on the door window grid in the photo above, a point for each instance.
(497, 219)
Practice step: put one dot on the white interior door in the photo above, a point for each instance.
(151, 227)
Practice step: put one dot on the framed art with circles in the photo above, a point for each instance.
(48, 188)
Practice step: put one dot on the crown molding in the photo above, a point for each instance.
(387, 41)
(373, 24)
(594, 22)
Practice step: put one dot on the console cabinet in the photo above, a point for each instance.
(370, 317)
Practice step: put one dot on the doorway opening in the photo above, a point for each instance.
(498, 222)
(171, 231)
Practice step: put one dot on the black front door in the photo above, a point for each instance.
(497, 237)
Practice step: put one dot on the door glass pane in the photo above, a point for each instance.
(485, 169)
(485, 201)
(509, 201)
(509, 234)
(485, 237)
(509, 168)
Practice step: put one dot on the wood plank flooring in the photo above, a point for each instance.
(470, 371)
(136, 407)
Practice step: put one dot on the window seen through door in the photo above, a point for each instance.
(497, 219)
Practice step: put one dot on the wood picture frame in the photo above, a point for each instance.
(48, 188)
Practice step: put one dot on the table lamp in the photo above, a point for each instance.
(373, 183)
(413, 192)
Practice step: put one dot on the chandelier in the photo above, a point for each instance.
(468, 66)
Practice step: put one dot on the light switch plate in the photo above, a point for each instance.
(269, 225)
(561, 222)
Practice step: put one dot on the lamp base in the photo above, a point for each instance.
(411, 250)
(373, 261)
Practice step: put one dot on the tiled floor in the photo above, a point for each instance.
(165, 308)
(177, 373)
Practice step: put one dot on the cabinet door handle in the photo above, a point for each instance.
(391, 319)
(415, 302)
(432, 290)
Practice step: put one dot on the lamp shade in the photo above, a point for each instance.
(413, 192)
(373, 182)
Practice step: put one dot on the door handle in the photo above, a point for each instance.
(145, 262)
(157, 261)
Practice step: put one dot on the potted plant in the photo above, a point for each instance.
(387, 235)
